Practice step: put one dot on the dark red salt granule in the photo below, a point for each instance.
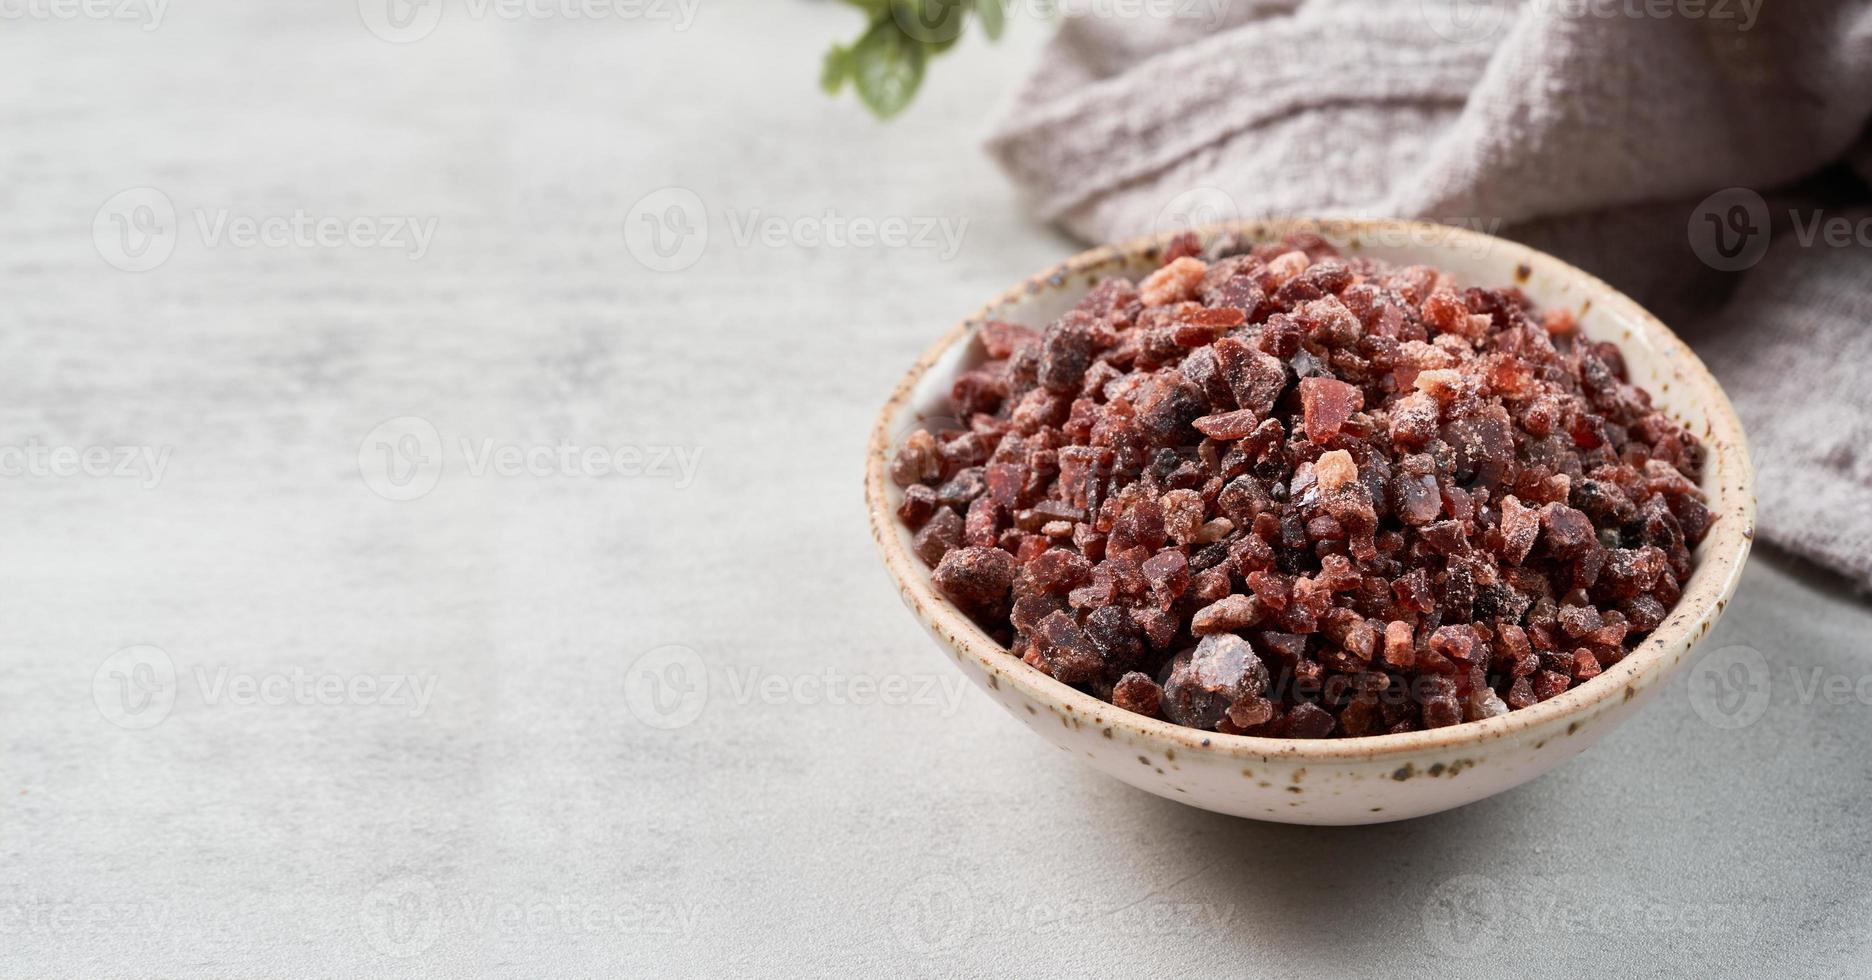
(1273, 491)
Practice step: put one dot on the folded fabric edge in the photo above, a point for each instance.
(1067, 151)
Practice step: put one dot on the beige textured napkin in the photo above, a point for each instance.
(1706, 156)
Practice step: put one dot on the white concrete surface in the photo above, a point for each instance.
(258, 718)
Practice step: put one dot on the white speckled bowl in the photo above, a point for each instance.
(1351, 780)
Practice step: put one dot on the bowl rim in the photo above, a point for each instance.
(1722, 553)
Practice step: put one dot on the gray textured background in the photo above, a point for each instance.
(830, 799)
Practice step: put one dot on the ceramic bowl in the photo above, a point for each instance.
(1350, 780)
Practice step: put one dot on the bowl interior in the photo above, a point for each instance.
(1655, 358)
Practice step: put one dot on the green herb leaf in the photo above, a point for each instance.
(993, 14)
(837, 69)
(886, 68)
(937, 24)
(887, 63)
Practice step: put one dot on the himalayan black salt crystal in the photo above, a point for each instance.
(1550, 684)
(1226, 615)
(1658, 526)
(962, 489)
(1246, 714)
(1643, 613)
(1520, 525)
(1137, 693)
(1200, 327)
(981, 525)
(1349, 631)
(1065, 651)
(1237, 292)
(916, 461)
(1446, 537)
(1458, 642)
(1693, 517)
(1286, 648)
(1237, 424)
(1030, 609)
(919, 504)
(1168, 572)
(978, 392)
(1414, 592)
(1204, 682)
(1579, 621)
(1255, 377)
(1057, 571)
(1184, 244)
(1066, 352)
(1160, 626)
(1046, 512)
(1204, 370)
(1273, 589)
(1183, 515)
(1667, 590)
(1483, 443)
(1335, 470)
(1419, 499)
(976, 579)
(1001, 338)
(1327, 403)
(1414, 421)
(1337, 574)
(1208, 586)
(938, 536)
(1037, 410)
(1243, 498)
(1170, 407)
(1499, 600)
(1604, 501)
(1585, 665)
(1141, 526)
(1567, 532)
(1324, 529)
(1251, 553)
(1361, 716)
(960, 450)
(1308, 720)
(1081, 471)
(1328, 322)
(1441, 710)
(1117, 634)
(1399, 649)
(1007, 483)
(1175, 282)
(1111, 299)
